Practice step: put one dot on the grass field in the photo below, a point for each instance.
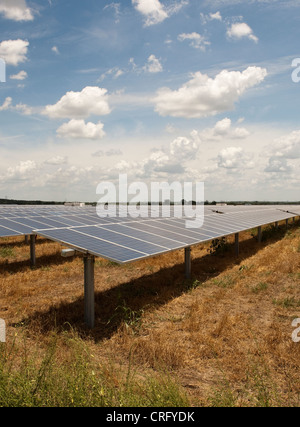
(223, 338)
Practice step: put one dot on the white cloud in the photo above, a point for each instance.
(57, 161)
(223, 129)
(183, 148)
(17, 10)
(240, 30)
(155, 12)
(80, 105)
(203, 96)
(234, 158)
(14, 51)
(6, 104)
(23, 171)
(284, 149)
(21, 108)
(153, 65)
(22, 75)
(162, 163)
(216, 16)
(197, 41)
(276, 165)
(116, 72)
(211, 17)
(288, 146)
(78, 129)
(55, 50)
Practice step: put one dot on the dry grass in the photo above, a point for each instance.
(225, 336)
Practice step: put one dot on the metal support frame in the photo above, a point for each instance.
(259, 234)
(32, 250)
(287, 223)
(188, 263)
(89, 290)
(237, 244)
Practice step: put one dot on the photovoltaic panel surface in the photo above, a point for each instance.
(127, 239)
(123, 238)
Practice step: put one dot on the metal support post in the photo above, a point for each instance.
(287, 223)
(89, 290)
(32, 250)
(188, 263)
(237, 244)
(259, 234)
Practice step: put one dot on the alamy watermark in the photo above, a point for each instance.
(2, 71)
(175, 200)
(296, 72)
(2, 331)
(296, 332)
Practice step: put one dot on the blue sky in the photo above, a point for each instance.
(163, 90)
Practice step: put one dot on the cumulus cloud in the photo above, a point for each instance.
(203, 96)
(234, 158)
(6, 104)
(21, 108)
(22, 75)
(288, 146)
(24, 109)
(23, 171)
(78, 129)
(183, 148)
(16, 10)
(224, 128)
(14, 51)
(276, 165)
(196, 40)
(162, 163)
(153, 65)
(57, 161)
(211, 17)
(152, 10)
(80, 105)
(283, 151)
(216, 16)
(155, 12)
(241, 30)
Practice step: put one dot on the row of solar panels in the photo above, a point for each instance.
(126, 239)
(24, 220)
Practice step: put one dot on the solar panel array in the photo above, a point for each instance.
(125, 239)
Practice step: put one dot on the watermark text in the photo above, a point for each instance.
(2, 331)
(296, 72)
(167, 200)
(2, 71)
(296, 332)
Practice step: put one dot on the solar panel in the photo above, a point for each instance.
(126, 240)
(150, 233)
